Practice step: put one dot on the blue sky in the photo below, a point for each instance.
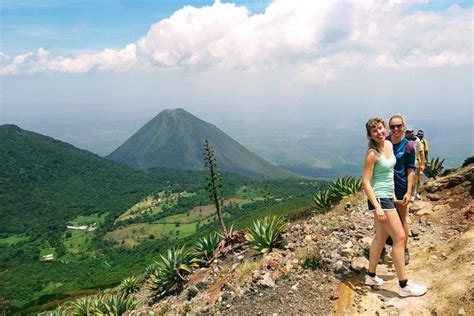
(72, 25)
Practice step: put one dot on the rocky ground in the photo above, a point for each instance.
(321, 267)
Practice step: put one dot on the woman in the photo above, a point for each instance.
(379, 186)
(404, 175)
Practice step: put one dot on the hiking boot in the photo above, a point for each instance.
(373, 281)
(407, 256)
(412, 289)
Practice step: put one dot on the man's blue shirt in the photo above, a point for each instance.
(404, 162)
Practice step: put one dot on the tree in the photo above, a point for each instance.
(214, 183)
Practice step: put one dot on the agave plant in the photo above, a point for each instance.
(344, 186)
(114, 305)
(266, 233)
(170, 271)
(205, 246)
(56, 312)
(322, 200)
(149, 271)
(434, 168)
(82, 306)
(129, 285)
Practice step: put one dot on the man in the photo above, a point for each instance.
(421, 136)
(420, 160)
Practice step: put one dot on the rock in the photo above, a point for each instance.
(358, 264)
(415, 232)
(366, 242)
(432, 187)
(348, 244)
(415, 208)
(334, 296)
(240, 257)
(266, 281)
(454, 181)
(433, 196)
(461, 311)
(338, 266)
(424, 212)
(234, 266)
(192, 292)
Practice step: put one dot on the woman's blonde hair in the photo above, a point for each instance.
(372, 123)
(401, 118)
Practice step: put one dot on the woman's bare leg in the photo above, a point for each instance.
(393, 226)
(403, 211)
(376, 247)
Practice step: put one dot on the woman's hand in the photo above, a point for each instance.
(380, 214)
(406, 198)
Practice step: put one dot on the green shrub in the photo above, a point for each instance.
(82, 306)
(336, 191)
(129, 285)
(170, 271)
(468, 161)
(299, 213)
(205, 246)
(149, 271)
(322, 200)
(313, 262)
(344, 186)
(434, 168)
(266, 233)
(114, 305)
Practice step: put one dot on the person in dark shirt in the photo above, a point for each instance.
(404, 173)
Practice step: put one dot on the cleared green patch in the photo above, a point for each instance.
(248, 192)
(88, 219)
(153, 204)
(136, 233)
(76, 241)
(13, 239)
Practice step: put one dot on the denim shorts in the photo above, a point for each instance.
(385, 203)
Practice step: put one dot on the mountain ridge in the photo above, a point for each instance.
(174, 138)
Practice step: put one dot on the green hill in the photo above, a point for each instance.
(45, 182)
(175, 138)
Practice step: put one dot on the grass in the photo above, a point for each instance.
(88, 219)
(13, 239)
(136, 233)
(78, 242)
(152, 205)
(248, 192)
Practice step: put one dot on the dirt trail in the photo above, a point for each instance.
(441, 258)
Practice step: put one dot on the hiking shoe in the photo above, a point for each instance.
(373, 281)
(407, 256)
(412, 289)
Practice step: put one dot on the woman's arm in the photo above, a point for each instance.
(370, 160)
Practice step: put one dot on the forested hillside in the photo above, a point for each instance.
(46, 185)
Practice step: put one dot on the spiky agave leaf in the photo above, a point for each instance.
(205, 246)
(344, 186)
(170, 271)
(114, 305)
(129, 285)
(322, 200)
(149, 271)
(266, 233)
(81, 306)
(60, 311)
(434, 168)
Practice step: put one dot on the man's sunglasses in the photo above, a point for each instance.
(397, 126)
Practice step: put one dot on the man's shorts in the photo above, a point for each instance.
(385, 203)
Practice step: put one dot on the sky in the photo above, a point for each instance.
(292, 80)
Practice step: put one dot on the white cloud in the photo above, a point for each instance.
(317, 40)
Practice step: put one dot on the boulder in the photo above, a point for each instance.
(433, 196)
(359, 264)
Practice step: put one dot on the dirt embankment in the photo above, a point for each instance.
(336, 246)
